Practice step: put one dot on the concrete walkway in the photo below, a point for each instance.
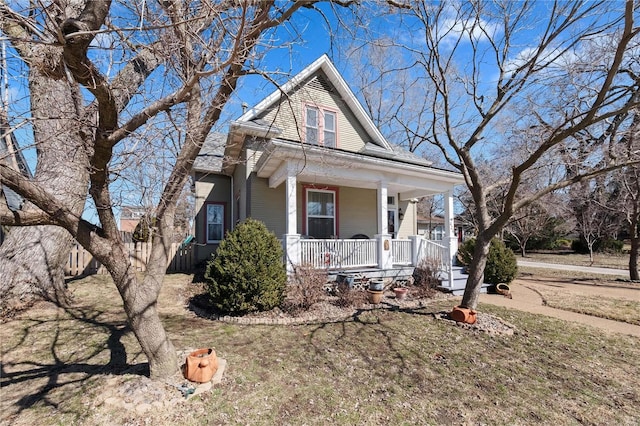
(525, 298)
(586, 269)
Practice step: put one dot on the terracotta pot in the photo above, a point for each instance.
(201, 365)
(375, 297)
(466, 315)
(401, 292)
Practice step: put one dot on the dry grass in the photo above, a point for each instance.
(600, 260)
(381, 367)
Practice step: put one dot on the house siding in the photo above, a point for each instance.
(408, 223)
(268, 204)
(351, 136)
(357, 212)
(210, 188)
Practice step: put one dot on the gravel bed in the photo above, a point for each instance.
(327, 311)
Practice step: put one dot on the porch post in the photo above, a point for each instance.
(415, 249)
(385, 258)
(383, 224)
(291, 238)
(449, 229)
(292, 205)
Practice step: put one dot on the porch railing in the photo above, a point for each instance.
(437, 253)
(401, 252)
(333, 254)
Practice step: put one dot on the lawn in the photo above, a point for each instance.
(381, 367)
(600, 260)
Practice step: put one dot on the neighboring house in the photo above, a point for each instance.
(309, 163)
(130, 217)
(433, 228)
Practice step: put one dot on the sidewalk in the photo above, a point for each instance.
(528, 300)
(586, 269)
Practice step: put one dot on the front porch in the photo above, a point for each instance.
(382, 257)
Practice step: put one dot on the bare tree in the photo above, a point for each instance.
(203, 50)
(491, 78)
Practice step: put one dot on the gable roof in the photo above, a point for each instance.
(325, 65)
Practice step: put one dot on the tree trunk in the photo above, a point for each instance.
(635, 246)
(476, 272)
(32, 259)
(140, 306)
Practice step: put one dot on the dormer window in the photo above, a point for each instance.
(320, 126)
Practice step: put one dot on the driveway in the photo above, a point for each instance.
(525, 298)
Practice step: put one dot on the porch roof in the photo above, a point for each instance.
(408, 176)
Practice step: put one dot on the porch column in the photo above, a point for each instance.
(291, 238)
(385, 258)
(383, 224)
(292, 206)
(449, 230)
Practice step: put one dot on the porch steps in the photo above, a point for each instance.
(459, 282)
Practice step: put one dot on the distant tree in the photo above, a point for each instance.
(527, 223)
(497, 71)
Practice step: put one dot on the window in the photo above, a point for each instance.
(321, 213)
(312, 126)
(320, 127)
(329, 129)
(215, 222)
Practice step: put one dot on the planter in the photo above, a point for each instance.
(465, 315)
(375, 297)
(401, 292)
(201, 365)
(376, 285)
(503, 289)
(346, 279)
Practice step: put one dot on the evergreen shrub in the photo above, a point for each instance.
(246, 273)
(501, 266)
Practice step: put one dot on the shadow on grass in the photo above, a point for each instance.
(67, 368)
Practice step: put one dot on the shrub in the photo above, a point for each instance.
(425, 278)
(611, 246)
(501, 264)
(607, 245)
(348, 296)
(305, 289)
(246, 273)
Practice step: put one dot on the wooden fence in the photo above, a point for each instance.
(81, 262)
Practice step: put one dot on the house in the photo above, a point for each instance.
(130, 217)
(310, 163)
(433, 228)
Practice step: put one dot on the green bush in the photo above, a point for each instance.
(607, 245)
(246, 273)
(501, 264)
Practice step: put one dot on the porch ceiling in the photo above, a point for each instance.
(333, 167)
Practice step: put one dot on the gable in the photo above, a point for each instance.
(321, 85)
(288, 113)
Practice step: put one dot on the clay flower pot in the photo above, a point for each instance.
(465, 315)
(201, 365)
(401, 292)
(375, 297)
